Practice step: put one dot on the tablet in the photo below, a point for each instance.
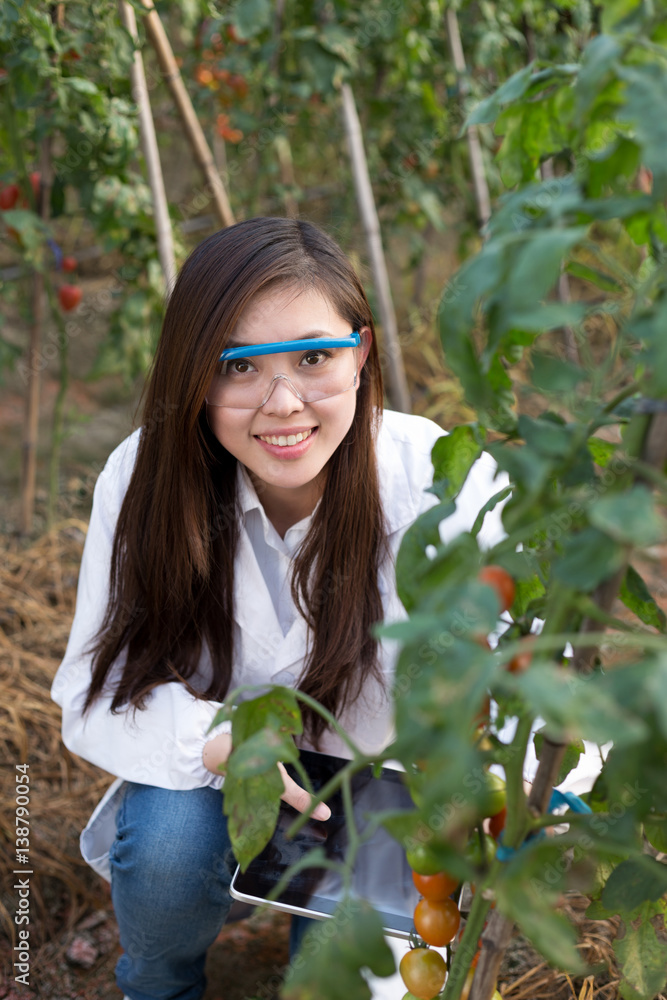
(381, 872)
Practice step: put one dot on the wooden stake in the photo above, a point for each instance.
(152, 156)
(33, 367)
(475, 150)
(399, 396)
(193, 129)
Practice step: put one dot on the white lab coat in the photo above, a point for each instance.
(163, 745)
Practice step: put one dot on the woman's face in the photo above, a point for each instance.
(288, 476)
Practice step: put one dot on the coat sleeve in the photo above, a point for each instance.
(161, 745)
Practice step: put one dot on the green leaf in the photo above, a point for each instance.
(250, 17)
(545, 436)
(599, 58)
(538, 263)
(596, 277)
(646, 98)
(412, 562)
(251, 806)
(638, 599)
(616, 11)
(628, 517)
(656, 833)
(453, 456)
(80, 84)
(490, 505)
(589, 557)
(642, 954)
(552, 374)
(338, 959)
(262, 731)
(574, 709)
(259, 753)
(573, 753)
(601, 451)
(489, 109)
(633, 883)
(278, 710)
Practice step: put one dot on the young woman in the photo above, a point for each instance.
(245, 534)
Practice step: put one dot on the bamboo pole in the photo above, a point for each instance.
(482, 197)
(398, 393)
(151, 154)
(193, 130)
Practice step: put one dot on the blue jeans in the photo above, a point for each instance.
(171, 866)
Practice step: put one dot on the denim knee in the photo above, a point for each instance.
(171, 865)
(173, 842)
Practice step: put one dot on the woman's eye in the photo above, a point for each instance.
(240, 367)
(313, 358)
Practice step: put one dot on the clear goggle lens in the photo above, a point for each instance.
(320, 367)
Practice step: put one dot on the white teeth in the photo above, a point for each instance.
(283, 441)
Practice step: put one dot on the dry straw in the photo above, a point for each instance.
(37, 594)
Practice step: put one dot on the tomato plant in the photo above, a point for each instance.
(423, 972)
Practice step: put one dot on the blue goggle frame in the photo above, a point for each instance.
(283, 346)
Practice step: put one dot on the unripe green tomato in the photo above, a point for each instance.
(473, 852)
(423, 861)
(495, 795)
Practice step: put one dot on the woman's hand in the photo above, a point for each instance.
(217, 751)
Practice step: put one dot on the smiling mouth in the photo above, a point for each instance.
(286, 441)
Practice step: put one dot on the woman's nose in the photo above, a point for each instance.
(282, 398)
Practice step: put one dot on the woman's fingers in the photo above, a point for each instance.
(299, 798)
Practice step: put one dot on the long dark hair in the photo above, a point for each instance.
(172, 564)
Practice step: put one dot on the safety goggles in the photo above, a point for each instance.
(315, 368)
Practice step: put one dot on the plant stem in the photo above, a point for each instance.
(58, 427)
(629, 390)
(467, 948)
(332, 721)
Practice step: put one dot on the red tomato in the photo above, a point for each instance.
(436, 887)
(484, 714)
(520, 663)
(437, 921)
(502, 583)
(36, 181)
(497, 823)
(69, 296)
(203, 75)
(9, 196)
(423, 971)
(69, 264)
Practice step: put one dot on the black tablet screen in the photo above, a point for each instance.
(381, 873)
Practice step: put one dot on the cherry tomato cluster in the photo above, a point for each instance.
(436, 920)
